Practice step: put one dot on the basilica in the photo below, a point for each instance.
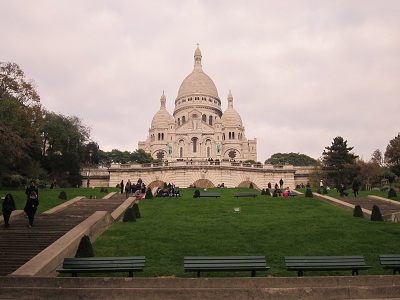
(198, 129)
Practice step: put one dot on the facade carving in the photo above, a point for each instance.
(198, 128)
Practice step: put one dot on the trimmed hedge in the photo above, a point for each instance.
(85, 248)
(358, 212)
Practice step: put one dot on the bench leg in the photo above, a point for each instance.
(130, 274)
(300, 273)
(198, 273)
(253, 273)
(354, 272)
(74, 274)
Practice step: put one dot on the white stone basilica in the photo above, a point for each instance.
(198, 129)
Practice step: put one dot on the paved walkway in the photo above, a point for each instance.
(19, 243)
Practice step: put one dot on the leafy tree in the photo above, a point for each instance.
(141, 157)
(20, 118)
(370, 172)
(295, 159)
(378, 158)
(64, 141)
(392, 155)
(338, 163)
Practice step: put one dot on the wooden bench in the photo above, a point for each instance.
(225, 263)
(245, 194)
(103, 265)
(325, 263)
(390, 261)
(206, 194)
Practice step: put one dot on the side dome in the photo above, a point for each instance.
(231, 118)
(197, 82)
(162, 118)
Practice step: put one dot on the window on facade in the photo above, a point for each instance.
(233, 135)
(204, 118)
(194, 141)
(208, 152)
(159, 136)
(223, 136)
(162, 136)
(181, 152)
(179, 121)
(183, 119)
(210, 120)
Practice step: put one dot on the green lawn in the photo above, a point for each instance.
(48, 198)
(171, 228)
(335, 194)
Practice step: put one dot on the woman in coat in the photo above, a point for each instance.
(8, 206)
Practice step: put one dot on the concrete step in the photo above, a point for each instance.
(357, 287)
(19, 243)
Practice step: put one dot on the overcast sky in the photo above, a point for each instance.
(301, 72)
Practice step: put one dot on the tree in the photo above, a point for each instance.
(338, 163)
(141, 157)
(64, 141)
(392, 155)
(295, 159)
(20, 118)
(371, 172)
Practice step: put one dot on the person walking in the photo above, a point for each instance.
(355, 187)
(121, 185)
(281, 183)
(8, 207)
(31, 206)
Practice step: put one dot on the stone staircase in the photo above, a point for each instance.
(19, 243)
(287, 288)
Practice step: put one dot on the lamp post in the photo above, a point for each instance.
(90, 163)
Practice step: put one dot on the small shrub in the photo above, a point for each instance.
(376, 189)
(165, 185)
(385, 188)
(62, 195)
(149, 194)
(376, 214)
(325, 191)
(297, 186)
(103, 190)
(251, 185)
(267, 192)
(129, 215)
(309, 193)
(85, 248)
(392, 193)
(319, 191)
(358, 212)
(263, 192)
(136, 211)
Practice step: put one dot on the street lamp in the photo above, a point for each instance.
(90, 162)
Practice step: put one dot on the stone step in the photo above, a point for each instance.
(19, 243)
(357, 287)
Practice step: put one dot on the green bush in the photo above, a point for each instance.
(103, 190)
(129, 215)
(358, 212)
(136, 211)
(319, 191)
(263, 192)
(149, 194)
(85, 248)
(309, 193)
(376, 214)
(62, 195)
(392, 193)
(325, 191)
(251, 185)
(267, 192)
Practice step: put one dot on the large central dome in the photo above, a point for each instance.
(197, 82)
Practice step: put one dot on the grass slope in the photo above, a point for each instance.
(171, 228)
